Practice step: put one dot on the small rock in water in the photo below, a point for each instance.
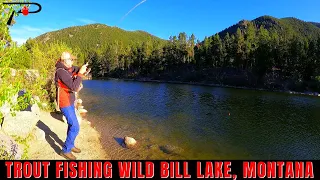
(129, 142)
(153, 147)
(169, 149)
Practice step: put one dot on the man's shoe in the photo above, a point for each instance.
(76, 150)
(68, 156)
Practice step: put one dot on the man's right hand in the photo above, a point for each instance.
(83, 69)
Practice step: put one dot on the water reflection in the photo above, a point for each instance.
(207, 122)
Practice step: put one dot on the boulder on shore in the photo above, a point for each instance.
(22, 123)
(129, 142)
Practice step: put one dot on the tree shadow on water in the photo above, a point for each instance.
(51, 137)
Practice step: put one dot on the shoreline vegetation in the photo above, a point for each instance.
(29, 128)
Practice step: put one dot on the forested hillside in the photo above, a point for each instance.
(286, 27)
(98, 36)
(264, 53)
(316, 24)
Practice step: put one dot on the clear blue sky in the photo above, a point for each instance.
(161, 18)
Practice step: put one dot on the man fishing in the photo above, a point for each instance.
(68, 79)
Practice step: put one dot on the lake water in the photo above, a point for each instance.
(176, 121)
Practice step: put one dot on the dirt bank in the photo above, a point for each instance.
(48, 145)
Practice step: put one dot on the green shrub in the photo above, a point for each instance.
(33, 55)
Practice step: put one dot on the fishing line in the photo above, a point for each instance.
(132, 9)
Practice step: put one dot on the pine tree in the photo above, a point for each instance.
(240, 49)
(250, 45)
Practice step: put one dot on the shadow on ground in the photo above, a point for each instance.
(51, 137)
(120, 141)
(57, 115)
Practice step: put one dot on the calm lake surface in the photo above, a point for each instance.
(176, 121)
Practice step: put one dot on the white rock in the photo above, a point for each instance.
(79, 101)
(5, 109)
(81, 111)
(64, 119)
(28, 74)
(36, 98)
(14, 99)
(79, 118)
(13, 72)
(20, 125)
(35, 109)
(129, 142)
(32, 74)
(39, 134)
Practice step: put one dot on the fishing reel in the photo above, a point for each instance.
(87, 72)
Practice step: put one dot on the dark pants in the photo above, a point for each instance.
(73, 127)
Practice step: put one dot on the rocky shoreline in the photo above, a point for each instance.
(33, 133)
(41, 135)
